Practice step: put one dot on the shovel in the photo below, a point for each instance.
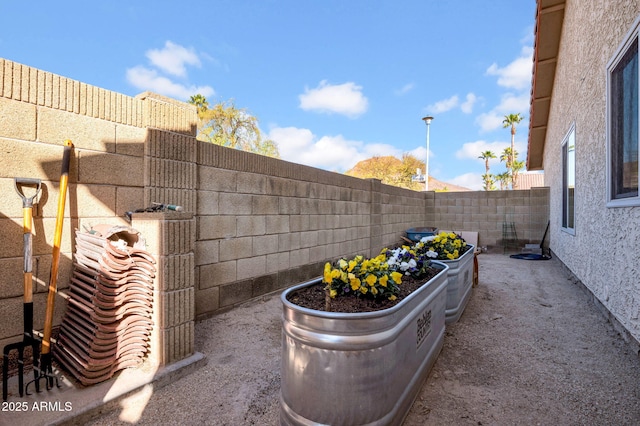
(45, 355)
(29, 339)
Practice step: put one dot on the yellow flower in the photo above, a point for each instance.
(383, 280)
(333, 292)
(396, 277)
(355, 284)
(363, 289)
(343, 277)
(352, 264)
(374, 291)
(371, 279)
(342, 264)
(392, 297)
(450, 256)
(327, 274)
(452, 235)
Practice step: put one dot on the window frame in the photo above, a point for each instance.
(566, 169)
(633, 36)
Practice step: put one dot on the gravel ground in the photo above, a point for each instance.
(530, 348)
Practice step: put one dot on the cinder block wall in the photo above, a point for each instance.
(127, 153)
(266, 224)
(261, 224)
(486, 212)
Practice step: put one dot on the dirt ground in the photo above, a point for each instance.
(530, 348)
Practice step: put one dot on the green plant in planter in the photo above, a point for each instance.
(447, 245)
(409, 260)
(375, 278)
(361, 277)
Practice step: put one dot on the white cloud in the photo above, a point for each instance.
(467, 106)
(173, 58)
(149, 80)
(443, 105)
(420, 152)
(346, 99)
(335, 153)
(509, 104)
(489, 121)
(405, 89)
(448, 104)
(468, 180)
(472, 150)
(517, 74)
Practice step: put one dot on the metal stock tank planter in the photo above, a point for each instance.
(460, 277)
(359, 368)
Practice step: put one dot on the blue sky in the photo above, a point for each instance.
(333, 82)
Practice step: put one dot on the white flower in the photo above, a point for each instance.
(432, 254)
(404, 266)
(427, 239)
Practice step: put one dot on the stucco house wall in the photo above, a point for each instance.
(603, 253)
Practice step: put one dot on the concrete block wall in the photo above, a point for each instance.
(266, 224)
(170, 238)
(127, 153)
(259, 225)
(485, 212)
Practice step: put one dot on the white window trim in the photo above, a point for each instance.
(565, 141)
(631, 36)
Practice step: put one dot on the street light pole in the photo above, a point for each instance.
(427, 120)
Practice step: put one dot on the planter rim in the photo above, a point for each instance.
(350, 315)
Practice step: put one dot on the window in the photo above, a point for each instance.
(569, 180)
(623, 123)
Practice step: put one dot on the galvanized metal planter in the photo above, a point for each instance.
(364, 368)
(460, 276)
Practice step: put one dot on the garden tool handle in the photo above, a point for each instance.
(27, 201)
(27, 218)
(57, 239)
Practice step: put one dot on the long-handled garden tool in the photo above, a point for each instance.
(29, 339)
(46, 371)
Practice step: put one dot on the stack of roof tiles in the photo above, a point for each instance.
(108, 323)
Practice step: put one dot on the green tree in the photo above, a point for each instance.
(200, 102)
(233, 127)
(504, 179)
(510, 158)
(487, 177)
(489, 182)
(511, 120)
(515, 170)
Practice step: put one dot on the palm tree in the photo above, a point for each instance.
(508, 158)
(504, 179)
(486, 156)
(489, 182)
(511, 120)
(517, 166)
(488, 178)
(200, 102)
